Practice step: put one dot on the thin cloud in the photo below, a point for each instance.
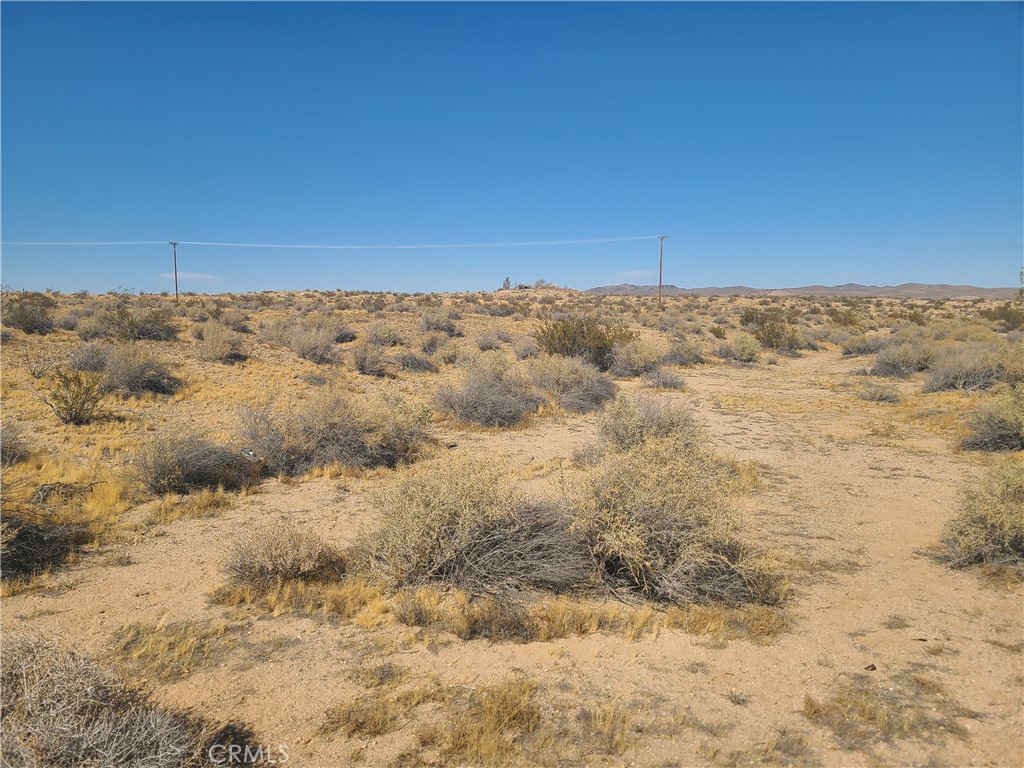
(190, 276)
(635, 274)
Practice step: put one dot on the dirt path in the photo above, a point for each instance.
(851, 492)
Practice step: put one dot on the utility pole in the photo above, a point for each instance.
(174, 248)
(661, 261)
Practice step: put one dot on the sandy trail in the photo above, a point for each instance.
(851, 492)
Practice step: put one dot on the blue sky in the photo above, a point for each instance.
(776, 144)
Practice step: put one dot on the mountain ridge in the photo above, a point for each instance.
(901, 291)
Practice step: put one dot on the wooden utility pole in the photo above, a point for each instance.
(661, 261)
(174, 249)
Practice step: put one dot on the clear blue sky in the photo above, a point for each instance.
(777, 144)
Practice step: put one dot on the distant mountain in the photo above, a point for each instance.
(903, 291)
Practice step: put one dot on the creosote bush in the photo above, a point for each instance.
(584, 337)
(659, 524)
(27, 311)
(574, 384)
(988, 527)
(332, 429)
(491, 394)
(63, 710)
(185, 462)
(280, 552)
(461, 522)
(73, 396)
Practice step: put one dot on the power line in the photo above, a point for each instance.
(355, 247)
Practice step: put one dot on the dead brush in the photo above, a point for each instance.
(988, 528)
(491, 394)
(132, 371)
(461, 522)
(13, 445)
(628, 422)
(281, 552)
(658, 522)
(181, 463)
(331, 429)
(574, 384)
(61, 709)
(999, 425)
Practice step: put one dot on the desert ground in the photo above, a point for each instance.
(527, 527)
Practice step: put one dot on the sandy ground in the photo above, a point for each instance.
(850, 493)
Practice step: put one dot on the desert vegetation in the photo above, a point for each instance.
(509, 528)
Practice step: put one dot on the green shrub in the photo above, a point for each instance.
(27, 311)
(73, 396)
(582, 337)
(988, 527)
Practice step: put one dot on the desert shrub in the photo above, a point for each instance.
(988, 527)
(488, 341)
(999, 425)
(865, 344)
(90, 357)
(1010, 314)
(74, 397)
(313, 343)
(966, 367)
(13, 445)
(718, 330)
(683, 352)
(27, 311)
(574, 384)
(369, 359)
(410, 361)
(771, 328)
(132, 371)
(125, 324)
(659, 378)
(437, 319)
(584, 337)
(383, 335)
(184, 462)
(461, 522)
(432, 342)
(277, 331)
(236, 320)
(331, 429)
(449, 354)
(221, 344)
(658, 523)
(628, 422)
(33, 541)
(634, 357)
(276, 552)
(878, 394)
(491, 394)
(741, 347)
(63, 710)
(524, 348)
(902, 360)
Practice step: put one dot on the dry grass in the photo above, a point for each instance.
(203, 503)
(170, 651)
(345, 599)
(372, 715)
(861, 711)
(721, 623)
